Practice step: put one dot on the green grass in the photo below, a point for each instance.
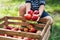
(10, 8)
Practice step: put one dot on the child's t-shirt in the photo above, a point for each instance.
(35, 4)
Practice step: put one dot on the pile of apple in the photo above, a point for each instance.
(19, 37)
(29, 28)
(32, 15)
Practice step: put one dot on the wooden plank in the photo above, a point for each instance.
(17, 18)
(45, 28)
(46, 34)
(40, 25)
(6, 21)
(2, 18)
(7, 38)
(25, 34)
(2, 24)
(43, 20)
(26, 24)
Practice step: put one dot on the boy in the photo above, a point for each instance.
(35, 5)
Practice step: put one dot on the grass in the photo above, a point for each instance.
(10, 8)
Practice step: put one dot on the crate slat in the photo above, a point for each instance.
(45, 28)
(43, 20)
(2, 18)
(44, 25)
(7, 38)
(46, 34)
(25, 34)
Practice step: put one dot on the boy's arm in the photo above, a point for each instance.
(28, 5)
(41, 8)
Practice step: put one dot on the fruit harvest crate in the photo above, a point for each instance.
(43, 35)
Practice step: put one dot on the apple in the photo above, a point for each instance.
(15, 29)
(33, 30)
(8, 27)
(30, 12)
(15, 36)
(29, 39)
(1, 34)
(36, 12)
(9, 35)
(26, 30)
(27, 16)
(34, 17)
(30, 26)
(21, 29)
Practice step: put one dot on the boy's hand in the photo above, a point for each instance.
(38, 18)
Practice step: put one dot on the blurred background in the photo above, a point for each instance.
(10, 8)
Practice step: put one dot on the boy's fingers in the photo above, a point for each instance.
(38, 18)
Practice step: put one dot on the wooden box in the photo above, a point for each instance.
(43, 35)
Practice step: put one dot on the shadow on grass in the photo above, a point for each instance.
(55, 34)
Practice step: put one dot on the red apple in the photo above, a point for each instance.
(15, 29)
(34, 17)
(30, 26)
(30, 12)
(36, 12)
(1, 34)
(9, 35)
(33, 30)
(27, 16)
(15, 36)
(26, 30)
(8, 27)
(21, 29)
(29, 38)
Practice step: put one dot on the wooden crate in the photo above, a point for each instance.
(43, 35)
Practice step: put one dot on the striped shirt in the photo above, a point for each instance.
(35, 4)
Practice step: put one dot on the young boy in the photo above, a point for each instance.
(35, 5)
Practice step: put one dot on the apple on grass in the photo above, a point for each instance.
(27, 16)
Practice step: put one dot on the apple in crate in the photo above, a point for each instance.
(30, 26)
(15, 36)
(33, 30)
(26, 29)
(8, 27)
(27, 16)
(15, 29)
(30, 12)
(21, 29)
